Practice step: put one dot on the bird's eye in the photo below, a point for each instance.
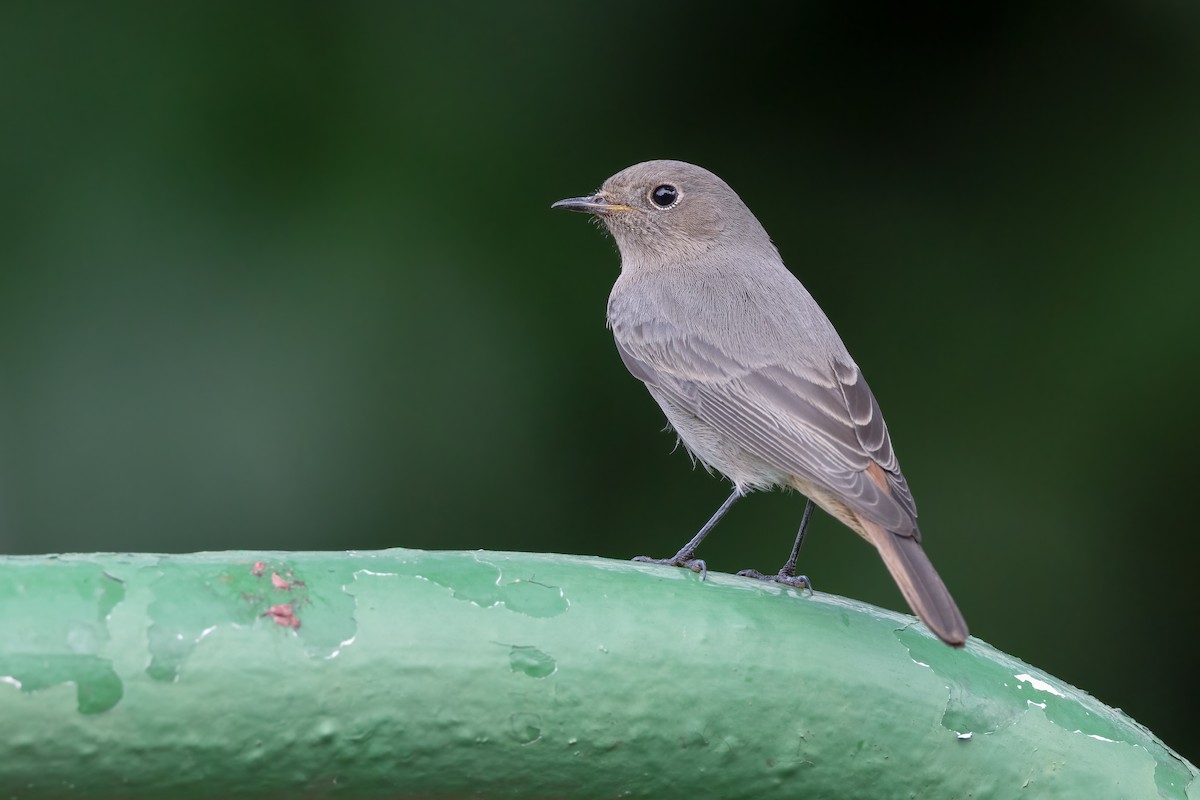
(664, 195)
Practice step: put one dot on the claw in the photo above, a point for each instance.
(795, 581)
(694, 564)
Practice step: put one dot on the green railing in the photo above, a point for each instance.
(411, 674)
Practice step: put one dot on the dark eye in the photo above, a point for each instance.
(664, 196)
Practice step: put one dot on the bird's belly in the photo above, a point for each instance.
(833, 505)
(718, 452)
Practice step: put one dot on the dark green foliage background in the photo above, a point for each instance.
(284, 275)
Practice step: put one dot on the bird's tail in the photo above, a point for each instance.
(920, 584)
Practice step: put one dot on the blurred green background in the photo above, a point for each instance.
(284, 275)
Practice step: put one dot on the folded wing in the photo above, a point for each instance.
(817, 421)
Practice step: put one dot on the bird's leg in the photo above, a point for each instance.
(787, 574)
(685, 556)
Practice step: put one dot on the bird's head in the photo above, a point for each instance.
(669, 211)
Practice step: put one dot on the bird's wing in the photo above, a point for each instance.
(819, 422)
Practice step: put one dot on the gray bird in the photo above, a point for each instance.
(751, 373)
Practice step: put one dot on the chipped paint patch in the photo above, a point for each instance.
(190, 604)
(283, 614)
(341, 646)
(531, 661)
(1038, 683)
(484, 584)
(373, 573)
(72, 604)
(984, 698)
(525, 727)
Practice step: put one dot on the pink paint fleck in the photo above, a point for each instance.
(258, 568)
(283, 615)
(278, 582)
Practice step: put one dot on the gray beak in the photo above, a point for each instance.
(592, 204)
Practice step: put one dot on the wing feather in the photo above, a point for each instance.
(818, 422)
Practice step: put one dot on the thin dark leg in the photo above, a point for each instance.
(685, 556)
(789, 569)
(788, 574)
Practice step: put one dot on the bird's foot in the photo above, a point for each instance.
(678, 560)
(795, 581)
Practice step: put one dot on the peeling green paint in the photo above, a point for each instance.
(97, 687)
(191, 604)
(1172, 776)
(525, 727)
(484, 584)
(54, 630)
(531, 661)
(527, 596)
(461, 669)
(987, 695)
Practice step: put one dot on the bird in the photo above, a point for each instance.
(750, 372)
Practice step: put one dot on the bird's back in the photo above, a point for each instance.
(754, 306)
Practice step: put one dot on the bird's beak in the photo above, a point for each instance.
(593, 204)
